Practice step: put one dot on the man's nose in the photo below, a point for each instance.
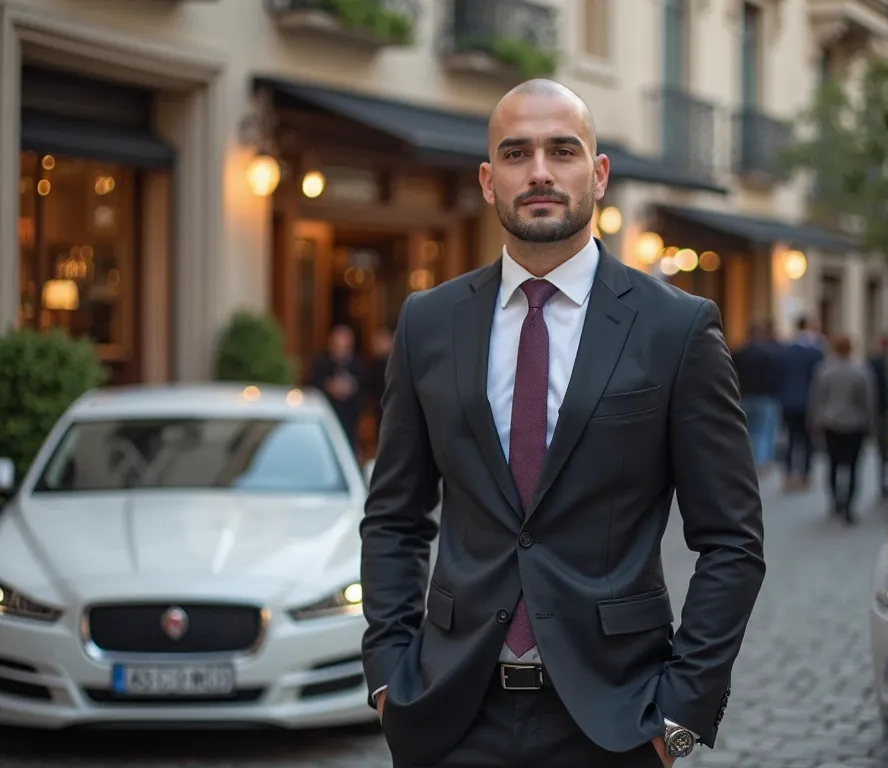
(540, 173)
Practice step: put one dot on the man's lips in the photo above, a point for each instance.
(542, 201)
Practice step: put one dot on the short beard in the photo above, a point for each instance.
(549, 231)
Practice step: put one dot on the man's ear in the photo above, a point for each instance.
(485, 177)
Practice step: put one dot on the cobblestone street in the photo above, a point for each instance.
(801, 695)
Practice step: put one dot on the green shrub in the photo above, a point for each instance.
(374, 17)
(252, 349)
(41, 375)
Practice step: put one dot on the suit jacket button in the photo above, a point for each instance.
(503, 616)
(525, 540)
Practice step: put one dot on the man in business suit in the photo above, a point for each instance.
(562, 398)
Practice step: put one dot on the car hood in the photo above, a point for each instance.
(210, 544)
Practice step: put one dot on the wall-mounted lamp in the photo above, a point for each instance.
(795, 264)
(257, 130)
(313, 184)
(263, 174)
(610, 220)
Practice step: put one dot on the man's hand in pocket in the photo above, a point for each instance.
(380, 704)
(660, 746)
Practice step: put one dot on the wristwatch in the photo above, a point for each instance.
(680, 742)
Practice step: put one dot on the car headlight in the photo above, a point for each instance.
(348, 601)
(13, 603)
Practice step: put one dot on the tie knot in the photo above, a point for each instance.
(538, 292)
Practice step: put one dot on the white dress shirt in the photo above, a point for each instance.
(565, 314)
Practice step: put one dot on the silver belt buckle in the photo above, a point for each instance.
(537, 673)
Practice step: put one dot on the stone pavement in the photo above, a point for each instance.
(802, 695)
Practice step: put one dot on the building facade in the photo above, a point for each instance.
(163, 164)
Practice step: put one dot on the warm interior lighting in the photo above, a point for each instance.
(795, 264)
(263, 175)
(61, 295)
(669, 266)
(313, 184)
(648, 247)
(610, 220)
(686, 260)
(709, 261)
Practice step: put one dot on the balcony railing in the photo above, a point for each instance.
(832, 19)
(373, 23)
(687, 133)
(759, 142)
(513, 38)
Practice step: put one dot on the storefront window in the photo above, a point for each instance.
(76, 237)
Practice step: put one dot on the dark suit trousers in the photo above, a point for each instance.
(530, 729)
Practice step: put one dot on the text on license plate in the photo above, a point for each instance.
(173, 680)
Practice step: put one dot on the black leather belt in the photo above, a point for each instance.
(523, 677)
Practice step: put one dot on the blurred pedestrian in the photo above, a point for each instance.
(757, 373)
(337, 373)
(844, 409)
(796, 364)
(879, 365)
(381, 347)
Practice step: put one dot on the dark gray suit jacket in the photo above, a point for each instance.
(652, 409)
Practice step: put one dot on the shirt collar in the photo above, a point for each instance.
(573, 278)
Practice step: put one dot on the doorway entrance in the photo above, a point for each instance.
(354, 275)
(349, 275)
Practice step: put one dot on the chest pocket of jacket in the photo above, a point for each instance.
(625, 404)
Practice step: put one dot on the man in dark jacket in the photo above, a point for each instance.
(757, 373)
(798, 360)
(338, 374)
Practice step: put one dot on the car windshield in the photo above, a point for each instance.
(256, 455)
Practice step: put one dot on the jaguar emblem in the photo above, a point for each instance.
(174, 623)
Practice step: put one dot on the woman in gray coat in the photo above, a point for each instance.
(843, 410)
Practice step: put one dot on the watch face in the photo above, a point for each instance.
(680, 743)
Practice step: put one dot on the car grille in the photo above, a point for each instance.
(210, 628)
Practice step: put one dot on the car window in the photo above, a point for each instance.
(257, 455)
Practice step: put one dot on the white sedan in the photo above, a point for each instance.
(188, 555)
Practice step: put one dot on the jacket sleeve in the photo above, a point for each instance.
(398, 528)
(717, 489)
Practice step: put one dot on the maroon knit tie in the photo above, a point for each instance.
(527, 441)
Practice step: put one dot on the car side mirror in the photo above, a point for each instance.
(7, 475)
(368, 471)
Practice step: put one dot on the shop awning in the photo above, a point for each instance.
(454, 138)
(51, 134)
(763, 230)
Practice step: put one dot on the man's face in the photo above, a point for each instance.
(341, 343)
(544, 178)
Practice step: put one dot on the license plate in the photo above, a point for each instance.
(173, 680)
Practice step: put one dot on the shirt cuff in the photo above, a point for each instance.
(668, 722)
(377, 692)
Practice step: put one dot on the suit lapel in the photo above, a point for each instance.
(472, 322)
(605, 329)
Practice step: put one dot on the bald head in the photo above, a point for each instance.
(543, 89)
